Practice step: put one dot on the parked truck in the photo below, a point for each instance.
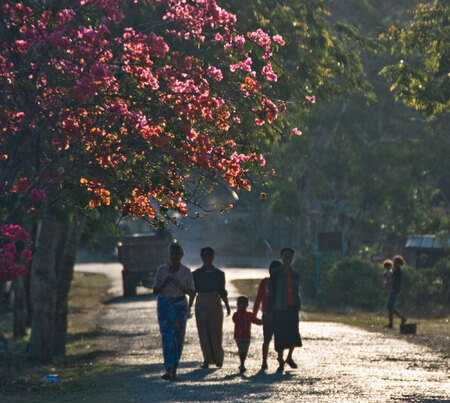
(140, 255)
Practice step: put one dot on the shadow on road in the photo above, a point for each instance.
(137, 298)
(200, 385)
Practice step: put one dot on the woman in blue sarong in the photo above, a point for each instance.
(172, 282)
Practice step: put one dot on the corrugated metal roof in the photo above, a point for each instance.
(424, 242)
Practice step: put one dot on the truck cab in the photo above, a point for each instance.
(140, 255)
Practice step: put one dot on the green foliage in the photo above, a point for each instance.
(358, 284)
(352, 282)
(307, 266)
(377, 169)
(317, 59)
(420, 77)
(426, 291)
(343, 283)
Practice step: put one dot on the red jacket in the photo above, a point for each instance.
(261, 297)
(242, 323)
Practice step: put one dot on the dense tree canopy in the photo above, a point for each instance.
(366, 164)
(101, 113)
(420, 75)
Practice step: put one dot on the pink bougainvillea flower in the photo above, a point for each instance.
(37, 195)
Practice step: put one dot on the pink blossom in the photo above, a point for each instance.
(278, 39)
(14, 232)
(261, 160)
(215, 73)
(263, 40)
(26, 254)
(268, 72)
(37, 195)
(22, 46)
(311, 99)
(296, 131)
(243, 65)
(240, 41)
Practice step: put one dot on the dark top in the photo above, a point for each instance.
(210, 280)
(277, 298)
(396, 280)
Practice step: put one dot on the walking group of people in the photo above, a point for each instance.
(392, 282)
(278, 298)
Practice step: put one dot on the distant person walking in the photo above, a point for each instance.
(283, 305)
(394, 290)
(172, 282)
(210, 289)
(261, 302)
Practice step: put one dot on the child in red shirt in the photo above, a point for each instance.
(243, 320)
(261, 300)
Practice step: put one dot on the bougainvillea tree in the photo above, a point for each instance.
(101, 106)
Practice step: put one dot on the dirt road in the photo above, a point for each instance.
(337, 363)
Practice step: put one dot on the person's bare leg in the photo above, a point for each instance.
(391, 318)
(242, 357)
(265, 353)
(289, 359)
(280, 361)
(403, 318)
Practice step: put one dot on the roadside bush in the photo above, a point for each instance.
(352, 282)
(426, 291)
(358, 284)
(306, 267)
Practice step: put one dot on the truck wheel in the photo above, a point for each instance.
(129, 286)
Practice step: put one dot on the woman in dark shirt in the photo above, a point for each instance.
(210, 288)
(283, 304)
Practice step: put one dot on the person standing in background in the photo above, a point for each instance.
(394, 290)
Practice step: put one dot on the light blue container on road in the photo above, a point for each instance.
(52, 378)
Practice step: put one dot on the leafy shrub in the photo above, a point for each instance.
(306, 267)
(356, 283)
(352, 282)
(426, 291)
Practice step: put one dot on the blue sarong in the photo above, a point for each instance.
(172, 318)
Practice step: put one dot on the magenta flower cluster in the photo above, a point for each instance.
(11, 259)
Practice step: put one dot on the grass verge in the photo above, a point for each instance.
(432, 332)
(84, 370)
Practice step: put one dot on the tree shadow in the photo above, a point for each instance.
(83, 357)
(74, 337)
(201, 385)
(137, 298)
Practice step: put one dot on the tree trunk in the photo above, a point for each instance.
(44, 283)
(20, 305)
(65, 266)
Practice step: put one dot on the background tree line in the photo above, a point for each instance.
(366, 163)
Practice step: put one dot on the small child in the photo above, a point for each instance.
(243, 320)
(387, 266)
